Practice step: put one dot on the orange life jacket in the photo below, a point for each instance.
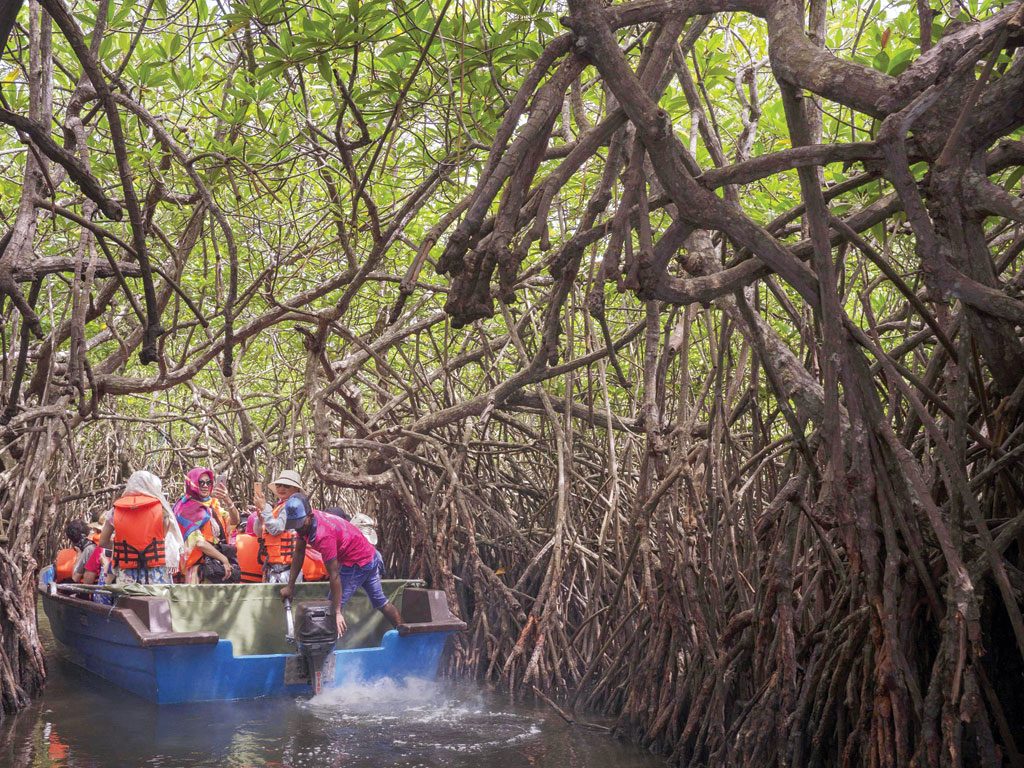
(64, 565)
(280, 547)
(207, 531)
(138, 532)
(248, 548)
(313, 568)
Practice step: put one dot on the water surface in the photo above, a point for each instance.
(81, 722)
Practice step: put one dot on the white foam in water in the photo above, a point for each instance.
(414, 699)
(422, 709)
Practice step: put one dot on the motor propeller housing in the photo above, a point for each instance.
(315, 635)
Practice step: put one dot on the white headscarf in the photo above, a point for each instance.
(147, 484)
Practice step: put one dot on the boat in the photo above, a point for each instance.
(176, 643)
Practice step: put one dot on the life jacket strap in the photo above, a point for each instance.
(262, 554)
(127, 556)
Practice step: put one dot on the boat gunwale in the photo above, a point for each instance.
(146, 637)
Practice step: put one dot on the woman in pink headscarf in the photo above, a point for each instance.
(203, 522)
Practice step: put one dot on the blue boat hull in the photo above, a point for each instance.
(176, 668)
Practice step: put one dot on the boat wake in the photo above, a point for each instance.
(424, 716)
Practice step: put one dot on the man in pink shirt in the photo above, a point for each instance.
(352, 562)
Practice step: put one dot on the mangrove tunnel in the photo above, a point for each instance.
(678, 341)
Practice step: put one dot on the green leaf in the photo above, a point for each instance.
(105, 45)
(285, 41)
(121, 15)
(324, 65)
(271, 68)
(544, 25)
(901, 61)
(1013, 178)
(234, 28)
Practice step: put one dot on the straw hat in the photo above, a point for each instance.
(288, 477)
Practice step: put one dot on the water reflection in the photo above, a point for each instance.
(82, 723)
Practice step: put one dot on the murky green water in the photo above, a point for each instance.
(80, 722)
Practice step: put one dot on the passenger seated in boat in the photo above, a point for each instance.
(64, 564)
(89, 548)
(362, 521)
(352, 562)
(142, 534)
(203, 526)
(247, 548)
(251, 557)
(277, 545)
(94, 569)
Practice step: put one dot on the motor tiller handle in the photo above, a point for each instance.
(289, 635)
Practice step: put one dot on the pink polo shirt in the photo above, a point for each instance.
(336, 538)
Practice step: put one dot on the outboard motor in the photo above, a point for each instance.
(315, 636)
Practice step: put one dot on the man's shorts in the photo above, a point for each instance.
(366, 576)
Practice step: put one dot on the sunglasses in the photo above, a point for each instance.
(205, 482)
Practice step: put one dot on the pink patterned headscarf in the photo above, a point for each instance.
(192, 479)
(193, 509)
